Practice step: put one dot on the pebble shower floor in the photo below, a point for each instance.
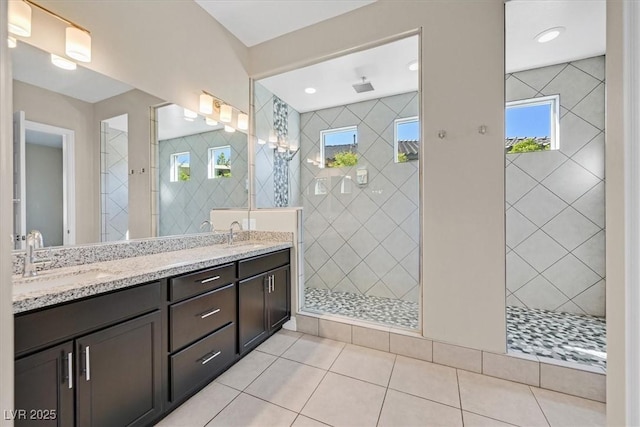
(563, 336)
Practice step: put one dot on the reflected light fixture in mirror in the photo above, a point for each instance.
(229, 129)
(206, 103)
(225, 113)
(19, 18)
(78, 44)
(210, 121)
(243, 121)
(12, 42)
(190, 115)
(63, 63)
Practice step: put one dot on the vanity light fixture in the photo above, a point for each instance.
(261, 141)
(206, 103)
(210, 121)
(549, 34)
(78, 44)
(243, 121)
(273, 138)
(19, 18)
(413, 66)
(310, 90)
(63, 63)
(12, 42)
(229, 129)
(226, 112)
(190, 115)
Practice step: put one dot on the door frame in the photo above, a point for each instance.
(68, 176)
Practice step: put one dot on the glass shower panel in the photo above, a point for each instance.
(114, 179)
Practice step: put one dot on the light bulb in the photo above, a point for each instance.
(243, 121)
(78, 44)
(225, 113)
(206, 103)
(19, 18)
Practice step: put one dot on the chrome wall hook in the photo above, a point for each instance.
(442, 134)
(482, 129)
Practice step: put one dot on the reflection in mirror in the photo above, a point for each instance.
(201, 165)
(93, 113)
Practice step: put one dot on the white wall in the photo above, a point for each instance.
(462, 83)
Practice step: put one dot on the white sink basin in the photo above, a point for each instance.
(54, 278)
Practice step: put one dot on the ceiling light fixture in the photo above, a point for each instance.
(206, 103)
(63, 63)
(310, 90)
(210, 121)
(413, 66)
(229, 129)
(243, 121)
(19, 18)
(12, 42)
(549, 34)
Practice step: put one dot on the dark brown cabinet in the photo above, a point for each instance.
(264, 300)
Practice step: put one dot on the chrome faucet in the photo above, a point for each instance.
(34, 241)
(206, 222)
(230, 235)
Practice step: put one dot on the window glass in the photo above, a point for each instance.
(219, 165)
(532, 125)
(180, 170)
(406, 140)
(339, 147)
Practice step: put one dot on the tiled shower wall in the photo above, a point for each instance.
(184, 205)
(555, 199)
(362, 239)
(114, 188)
(264, 124)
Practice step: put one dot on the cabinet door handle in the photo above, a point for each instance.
(210, 279)
(273, 283)
(70, 369)
(210, 358)
(204, 316)
(87, 360)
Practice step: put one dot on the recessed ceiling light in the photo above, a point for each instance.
(413, 66)
(548, 35)
(63, 63)
(310, 90)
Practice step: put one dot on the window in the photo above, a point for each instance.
(219, 165)
(339, 147)
(406, 145)
(532, 124)
(180, 170)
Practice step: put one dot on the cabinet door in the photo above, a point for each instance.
(252, 321)
(279, 305)
(119, 378)
(44, 388)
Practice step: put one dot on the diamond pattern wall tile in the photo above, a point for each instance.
(398, 102)
(380, 117)
(593, 66)
(570, 181)
(346, 258)
(513, 301)
(517, 183)
(518, 228)
(346, 224)
(330, 273)
(573, 83)
(330, 114)
(316, 256)
(346, 285)
(380, 290)
(590, 156)
(315, 281)
(540, 164)
(411, 226)
(363, 277)
(398, 281)
(362, 109)
(540, 250)
(592, 253)
(571, 276)
(538, 78)
(346, 118)
(399, 245)
(412, 109)
(540, 205)
(591, 108)
(541, 293)
(380, 189)
(575, 132)
(518, 271)
(518, 90)
(379, 154)
(570, 228)
(364, 242)
(592, 300)
(330, 241)
(399, 207)
(591, 205)
(570, 307)
(380, 261)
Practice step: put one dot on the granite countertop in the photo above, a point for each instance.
(56, 286)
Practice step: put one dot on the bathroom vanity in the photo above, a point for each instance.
(128, 356)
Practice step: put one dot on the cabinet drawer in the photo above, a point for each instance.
(260, 264)
(200, 362)
(202, 281)
(199, 316)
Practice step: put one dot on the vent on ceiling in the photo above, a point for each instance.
(363, 87)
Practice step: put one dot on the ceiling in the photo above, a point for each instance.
(33, 66)
(386, 66)
(172, 124)
(256, 21)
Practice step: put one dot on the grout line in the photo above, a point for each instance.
(321, 380)
(491, 418)
(424, 398)
(459, 393)
(220, 411)
(539, 406)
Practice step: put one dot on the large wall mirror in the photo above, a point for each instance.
(94, 165)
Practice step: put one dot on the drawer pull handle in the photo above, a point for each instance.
(204, 316)
(88, 363)
(210, 279)
(210, 358)
(70, 368)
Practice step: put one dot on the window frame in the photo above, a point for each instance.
(331, 131)
(554, 101)
(175, 176)
(211, 165)
(397, 122)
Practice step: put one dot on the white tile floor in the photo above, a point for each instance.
(301, 380)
